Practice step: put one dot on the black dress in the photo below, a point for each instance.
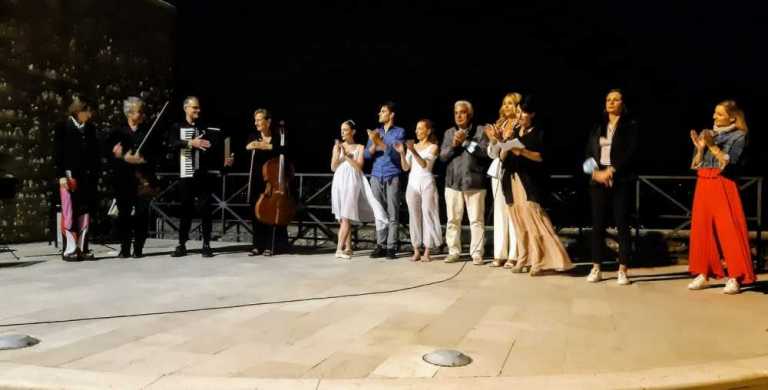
(263, 233)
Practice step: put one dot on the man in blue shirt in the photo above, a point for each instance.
(385, 177)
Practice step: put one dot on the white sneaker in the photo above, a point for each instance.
(732, 287)
(698, 283)
(621, 278)
(451, 258)
(595, 275)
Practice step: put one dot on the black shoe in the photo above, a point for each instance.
(87, 255)
(71, 257)
(378, 252)
(206, 251)
(138, 249)
(268, 252)
(125, 250)
(391, 254)
(180, 251)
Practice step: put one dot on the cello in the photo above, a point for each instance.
(276, 206)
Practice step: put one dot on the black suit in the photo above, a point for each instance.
(196, 191)
(618, 197)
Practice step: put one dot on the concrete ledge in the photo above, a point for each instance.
(742, 374)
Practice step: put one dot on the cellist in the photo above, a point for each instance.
(263, 145)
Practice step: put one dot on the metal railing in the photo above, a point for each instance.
(662, 203)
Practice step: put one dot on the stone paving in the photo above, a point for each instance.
(554, 331)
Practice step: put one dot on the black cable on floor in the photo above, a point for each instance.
(211, 308)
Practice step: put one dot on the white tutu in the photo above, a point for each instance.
(352, 198)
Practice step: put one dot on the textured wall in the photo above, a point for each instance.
(51, 50)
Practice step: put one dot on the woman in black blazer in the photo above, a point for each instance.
(524, 186)
(611, 147)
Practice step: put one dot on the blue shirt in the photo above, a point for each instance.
(386, 164)
(730, 143)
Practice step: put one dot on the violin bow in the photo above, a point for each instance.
(153, 126)
(250, 175)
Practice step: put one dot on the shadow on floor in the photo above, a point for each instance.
(20, 264)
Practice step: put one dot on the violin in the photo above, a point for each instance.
(276, 206)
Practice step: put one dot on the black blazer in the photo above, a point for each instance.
(533, 174)
(623, 147)
(130, 140)
(76, 150)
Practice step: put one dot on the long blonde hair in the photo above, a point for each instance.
(516, 97)
(734, 111)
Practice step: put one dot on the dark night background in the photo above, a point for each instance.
(317, 65)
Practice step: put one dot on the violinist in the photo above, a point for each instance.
(130, 166)
(264, 144)
(196, 145)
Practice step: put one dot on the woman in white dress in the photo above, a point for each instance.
(351, 196)
(421, 192)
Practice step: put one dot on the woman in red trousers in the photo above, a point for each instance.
(718, 226)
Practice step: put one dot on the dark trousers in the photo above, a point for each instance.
(607, 200)
(132, 218)
(195, 193)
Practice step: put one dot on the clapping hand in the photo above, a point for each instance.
(697, 141)
(459, 137)
(117, 150)
(375, 136)
(399, 148)
(492, 132)
(200, 143)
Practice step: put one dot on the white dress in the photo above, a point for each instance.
(422, 198)
(351, 195)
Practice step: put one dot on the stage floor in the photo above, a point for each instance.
(522, 332)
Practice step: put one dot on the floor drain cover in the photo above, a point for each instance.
(16, 341)
(447, 358)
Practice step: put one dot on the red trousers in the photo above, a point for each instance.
(719, 229)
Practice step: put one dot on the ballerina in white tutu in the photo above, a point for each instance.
(351, 196)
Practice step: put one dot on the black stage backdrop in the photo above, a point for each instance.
(316, 65)
(319, 64)
(51, 50)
